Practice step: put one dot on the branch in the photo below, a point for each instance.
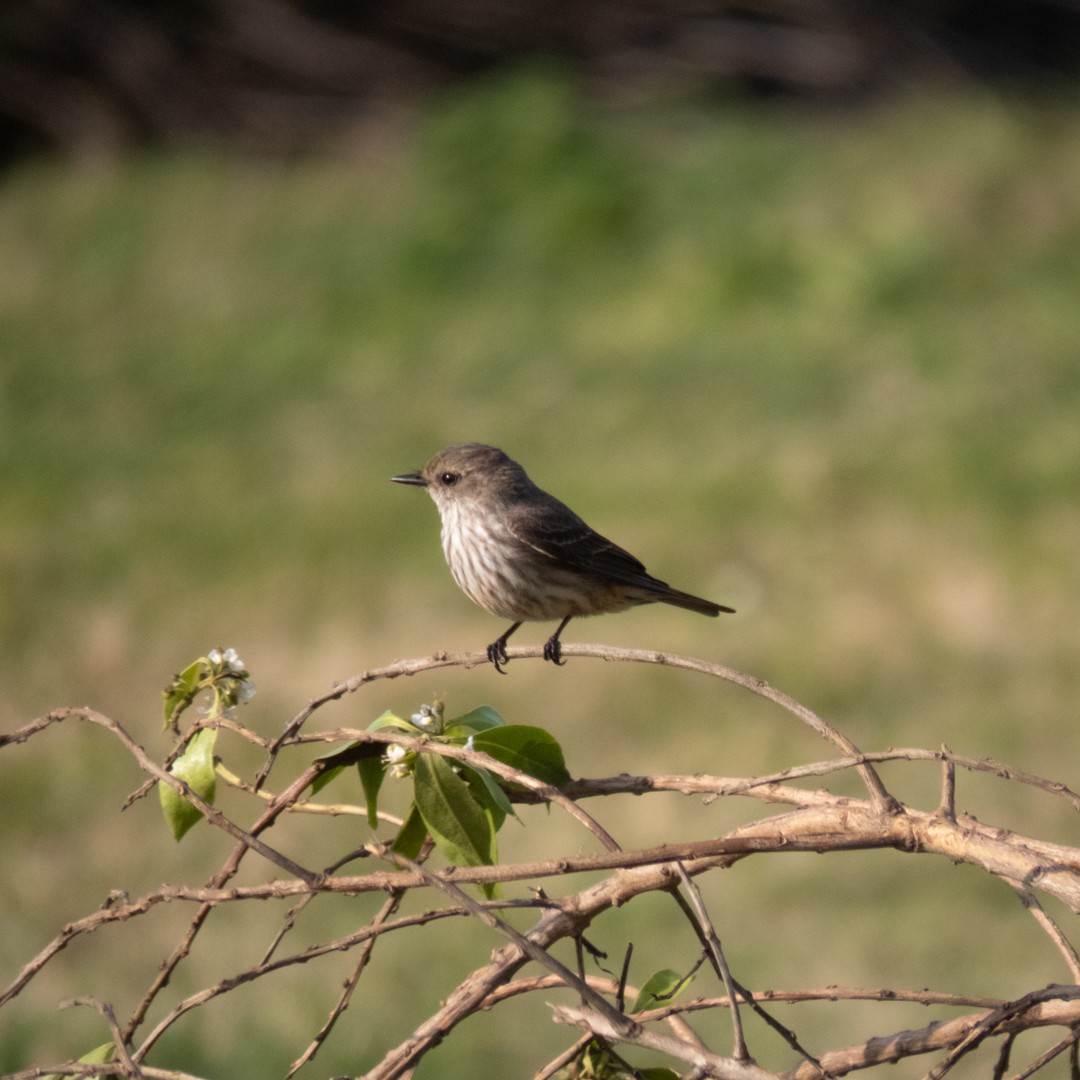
(706, 932)
(882, 800)
(818, 821)
(1055, 1005)
(1055, 933)
(571, 918)
(707, 1064)
(833, 823)
(148, 765)
(225, 873)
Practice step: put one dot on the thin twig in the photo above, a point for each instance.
(532, 950)
(711, 941)
(574, 1050)
(105, 1010)
(736, 991)
(1042, 917)
(947, 806)
(1051, 1006)
(227, 870)
(1068, 1043)
(390, 905)
(987, 1025)
(723, 1068)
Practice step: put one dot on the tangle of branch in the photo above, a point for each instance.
(811, 819)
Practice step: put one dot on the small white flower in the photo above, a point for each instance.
(395, 760)
(424, 718)
(470, 743)
(214, 656)
(232, 661)
(245, 690)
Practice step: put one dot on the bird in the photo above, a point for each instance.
(521, 554)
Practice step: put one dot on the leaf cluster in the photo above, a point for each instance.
(462, 807)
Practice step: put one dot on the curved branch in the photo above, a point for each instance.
(883, 802)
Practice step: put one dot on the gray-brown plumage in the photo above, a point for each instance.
(522, 555)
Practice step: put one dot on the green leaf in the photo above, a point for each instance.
(482, 718)
(324, 778)
(458, 823)
(530, 749)
(596, 1061)
(411, 836)
(368, 757)
(388, 719)
(372, 770)
(98, 1056)
(487, 792)
(179, 693)
(196, 768)
(341, 757)
(662, 988)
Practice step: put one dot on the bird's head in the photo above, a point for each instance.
(469, 473)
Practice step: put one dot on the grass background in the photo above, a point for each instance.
(822, 367)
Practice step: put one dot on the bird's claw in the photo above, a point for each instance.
(496, 653)
(553, 651)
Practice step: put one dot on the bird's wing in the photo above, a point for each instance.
(557, 532)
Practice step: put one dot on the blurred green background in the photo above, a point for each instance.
(819, 365)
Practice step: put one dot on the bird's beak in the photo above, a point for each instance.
(410, 478)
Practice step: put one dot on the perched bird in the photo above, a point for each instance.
(522, 555)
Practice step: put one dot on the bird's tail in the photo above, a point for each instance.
(691, 603)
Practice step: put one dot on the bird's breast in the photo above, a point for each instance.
(514, 581)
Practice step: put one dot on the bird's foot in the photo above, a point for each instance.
(553, 647)
(553, 650)
(496, 653)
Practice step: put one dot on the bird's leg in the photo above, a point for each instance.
(552, 647)
(496, 651)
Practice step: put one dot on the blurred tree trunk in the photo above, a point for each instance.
(92, 77)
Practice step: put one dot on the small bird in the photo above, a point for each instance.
(522, 555)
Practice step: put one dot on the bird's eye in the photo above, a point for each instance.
(448, 479)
